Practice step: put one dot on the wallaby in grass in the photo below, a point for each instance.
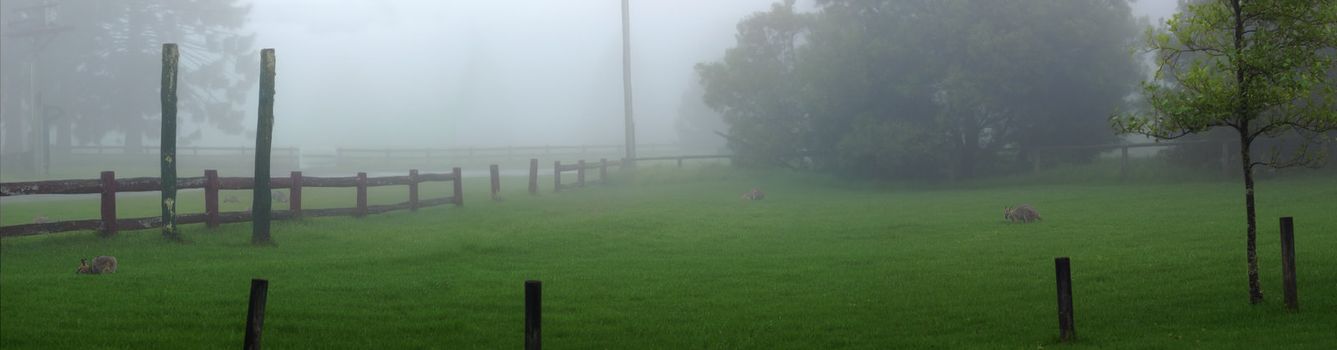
(279, 196)
(231, 199)
(101, 264)
(1023, 213)
(41, 219)
(754, 195)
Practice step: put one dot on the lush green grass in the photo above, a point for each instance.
(673, 259)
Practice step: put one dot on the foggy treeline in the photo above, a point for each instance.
(888, 88)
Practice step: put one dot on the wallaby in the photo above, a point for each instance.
(101, 264)
(279, 196)
(231, 199)
(41, 219)
(755, 195)
(1021, 213)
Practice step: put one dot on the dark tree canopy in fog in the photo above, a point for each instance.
(103, 70)
(923, 88)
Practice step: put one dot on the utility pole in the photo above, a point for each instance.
(630, 161)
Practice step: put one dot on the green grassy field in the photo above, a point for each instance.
(673, 259)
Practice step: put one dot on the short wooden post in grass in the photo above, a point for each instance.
(533, 313)
(680, 162)
(255, 313)
(496, 180)
(580, 173)
(295, 195)
(211, 198)
(167, 143)
(361, 195)
(1062, 269)
(108, 204)
(1292, 296)
(413, 189)
(459, 186)
(603, 170)
(557, 176)
(533, 176)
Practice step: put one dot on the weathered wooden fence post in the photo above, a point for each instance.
(557, 176)
(255, 313)
(211, 198)
(580, 173)
(260, 199)
(1063, 273)
(167, 150)
(295, 195)
(496, 180)
(533, 315)
(1292, 296)
(108, 204)
(459, 186)
(413, 189)
(603, 170)
(533, 176)
(361, 195)
(1123, 163)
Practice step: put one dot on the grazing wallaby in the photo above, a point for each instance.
(279, 196)
(101, 264)
(40, 219)
(231, 199)
(1021, 213)
(755, 195)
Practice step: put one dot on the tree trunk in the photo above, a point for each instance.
(1255, 289)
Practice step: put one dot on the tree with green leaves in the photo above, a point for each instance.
(1257, 68)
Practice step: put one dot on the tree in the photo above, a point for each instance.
(1257, 68)
(755, 88)
(103, 70)
(924, 88)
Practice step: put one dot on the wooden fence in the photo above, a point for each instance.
(108, 186)
(579, 168)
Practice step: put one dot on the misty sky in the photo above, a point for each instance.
(441, 73)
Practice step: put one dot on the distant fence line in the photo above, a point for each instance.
(108, 186)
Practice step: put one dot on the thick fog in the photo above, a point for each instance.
(456, 73)
(447, 73)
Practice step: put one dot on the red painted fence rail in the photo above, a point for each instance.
(108, 186)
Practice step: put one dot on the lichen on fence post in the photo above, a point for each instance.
(260, 200)
(167, 151)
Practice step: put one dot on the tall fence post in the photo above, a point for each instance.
(1063, 273)
(413, 189)
(1292, 296)
(496, 180)
(603, 170)
(459, 186)
(108, 203)
(295, 195)
(557, 176)
(533, 315)
(255, 313)
(1123, 163)
(167, 143)
(361, 194)
(211, 198)
(261, 203)
(533, 176)
(580, 173)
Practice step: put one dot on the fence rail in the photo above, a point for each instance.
(108, 186)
